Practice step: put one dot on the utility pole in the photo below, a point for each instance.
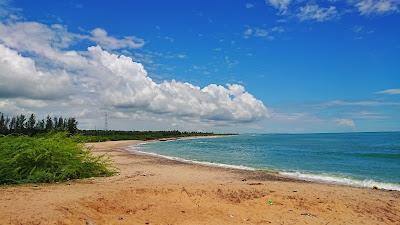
(105, 121)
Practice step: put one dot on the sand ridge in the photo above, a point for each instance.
(150, 190)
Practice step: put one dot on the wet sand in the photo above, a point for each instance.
(150, 190)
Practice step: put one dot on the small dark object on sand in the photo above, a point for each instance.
(255, 183)
(308, 214)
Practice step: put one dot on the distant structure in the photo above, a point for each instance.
(105, 121)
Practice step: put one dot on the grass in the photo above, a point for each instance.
(48, 158)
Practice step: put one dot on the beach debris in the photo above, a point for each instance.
(270, 202)
(308, 214)
(258, 183)
(244, 179)
(375, 188)
(294, 191)
(231, 216)
(130, 212)
(90, 222)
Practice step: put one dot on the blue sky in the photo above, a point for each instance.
(317, 66)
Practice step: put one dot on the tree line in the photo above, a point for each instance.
(22, 124)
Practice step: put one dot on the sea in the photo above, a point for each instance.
(355, 159)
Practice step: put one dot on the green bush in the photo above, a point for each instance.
(47, 158)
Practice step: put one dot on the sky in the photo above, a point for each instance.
(263, 66)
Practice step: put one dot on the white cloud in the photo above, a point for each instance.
(53, 42)
(346, 122)
(317, 13)
(47, 42)
(7, 11)
(256, 32)
(249, 5)
(281, 5)
(395, 91)
(36, 62)
(368, 7)
(129, 87)
(19, 77)
(101, 37)
(262, 32)
(359, 103)
(361, 32)
(367, 115)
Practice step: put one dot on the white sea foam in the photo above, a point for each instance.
(325, 178)
(135, 150)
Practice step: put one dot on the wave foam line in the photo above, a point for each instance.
(204, 163)
(341, 180)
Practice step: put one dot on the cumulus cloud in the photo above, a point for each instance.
(395, 91)
(281, 5)
(19, 77)
(368, 7)
(36, 62)
(317, 13)
(129, 87)
(54, 41)
(101, 37)
(48, 44)
(346, 122)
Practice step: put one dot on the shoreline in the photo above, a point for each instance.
(295, 175)
(151, 190)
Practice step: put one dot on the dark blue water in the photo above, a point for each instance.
(360, 159)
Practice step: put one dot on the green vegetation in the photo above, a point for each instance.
(52, 149)
(21, 124)
(111, 135)
(29, 125)
(47, 158)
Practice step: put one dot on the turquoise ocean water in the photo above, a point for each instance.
(357, 159)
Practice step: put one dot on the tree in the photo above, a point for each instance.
(60, 124)
(13, 124)
(55, 123)
(41, 125)
(72, 125)
(30, 124)
(49, 123)
(20, 123)
(3, 126)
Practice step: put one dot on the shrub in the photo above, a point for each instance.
(48, 158)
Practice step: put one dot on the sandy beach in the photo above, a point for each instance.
(150, 190)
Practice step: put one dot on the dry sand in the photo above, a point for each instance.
(151, 190)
